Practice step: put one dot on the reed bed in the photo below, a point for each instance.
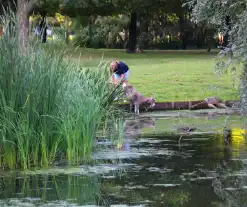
(48, 106)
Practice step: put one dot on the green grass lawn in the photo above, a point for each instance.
(172, 75)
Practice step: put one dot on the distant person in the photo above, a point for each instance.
(119, 71)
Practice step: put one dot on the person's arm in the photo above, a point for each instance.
(112, 78)
(115, 82)
(122, 77)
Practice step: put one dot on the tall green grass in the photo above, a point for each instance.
(47, 105)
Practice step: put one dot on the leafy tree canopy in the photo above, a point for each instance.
(230, 16)
(41, 6)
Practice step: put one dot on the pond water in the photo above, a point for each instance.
(154, 167)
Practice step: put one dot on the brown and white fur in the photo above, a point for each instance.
(211, 102)
(215, 101)
(137, 99)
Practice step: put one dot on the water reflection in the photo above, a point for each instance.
(44, 188)
(232, 140)
(205, 171)
(134, 128)
(72, 190)
(238, 141)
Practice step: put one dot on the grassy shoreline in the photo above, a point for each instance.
(174, 75)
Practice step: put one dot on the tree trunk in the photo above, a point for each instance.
(91, 21)
(43, 28)
(23, 9)
(226, 36)
(132, 33)
(144, 31)
(182, 32)
(23, 26)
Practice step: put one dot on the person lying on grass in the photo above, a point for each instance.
(120, 72)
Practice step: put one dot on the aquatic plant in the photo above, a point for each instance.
(116, 131)
(48, 106)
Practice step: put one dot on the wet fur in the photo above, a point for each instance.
(211, 102)
(138, 99)
(215, 101)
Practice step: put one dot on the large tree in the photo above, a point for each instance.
(24, 8)
(137, 10)
(111, 7)
(104, 8)
(230, 16)
(146, 8)
(141, 11)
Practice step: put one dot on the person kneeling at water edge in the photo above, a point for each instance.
(120, 71)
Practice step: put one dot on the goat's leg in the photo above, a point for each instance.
(131, 105)
(135, 108)
(222, 105)
(154, 129)
(212, 106)
(138, 108)
(146, 108)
